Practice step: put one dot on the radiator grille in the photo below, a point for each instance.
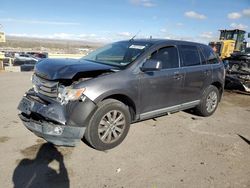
(45, 87)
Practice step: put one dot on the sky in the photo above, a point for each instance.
(112, 20)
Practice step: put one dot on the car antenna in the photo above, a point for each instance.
(135, 35)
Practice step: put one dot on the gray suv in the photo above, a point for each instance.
(99, 96)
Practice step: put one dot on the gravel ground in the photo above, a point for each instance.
(178, 150)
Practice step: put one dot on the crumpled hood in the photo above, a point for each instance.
(54, 69)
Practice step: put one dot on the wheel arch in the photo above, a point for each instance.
(127, 101)
(219, 86)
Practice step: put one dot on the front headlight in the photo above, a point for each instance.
(34, 83)
(66, 94)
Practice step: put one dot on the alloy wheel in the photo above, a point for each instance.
(111, 126)
(211, 101)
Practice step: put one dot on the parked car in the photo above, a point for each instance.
(23, 57)
(100, 95)
(39, 55)
(27, 61)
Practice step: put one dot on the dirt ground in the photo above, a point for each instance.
(178, 150)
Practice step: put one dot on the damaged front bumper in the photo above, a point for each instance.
(56, 123)
(54, 133)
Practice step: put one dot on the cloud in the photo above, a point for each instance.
(19, 35)
(92, 37)
(178, 37)
(238, 26)
(234, 15)
(144, 3)
(179, 24)
(237, 15)
(82, 36)
(41, 22)
(246, 12)
(163, 30)
(110, 37)
(207, 35)
(204, 37)
(87, 35)
(124, 34)
(195, 15)
(62, 36)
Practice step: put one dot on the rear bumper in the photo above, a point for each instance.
(54, 133)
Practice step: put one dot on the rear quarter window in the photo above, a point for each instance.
(190, 55)
(210, 56)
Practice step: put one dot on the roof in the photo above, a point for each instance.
(170, 41)
(232, 30)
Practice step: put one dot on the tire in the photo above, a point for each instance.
(209, 102)
(109, 125)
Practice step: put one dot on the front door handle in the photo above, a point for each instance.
(207, 72)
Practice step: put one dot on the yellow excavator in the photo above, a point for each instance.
(230, 41)
(232, 49)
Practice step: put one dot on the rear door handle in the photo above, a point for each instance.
(178, 76)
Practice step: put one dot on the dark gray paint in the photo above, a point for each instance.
(153, 93)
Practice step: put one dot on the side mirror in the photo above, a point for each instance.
(151, 65)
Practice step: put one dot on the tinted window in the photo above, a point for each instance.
(190, 55)
(209, 55)
(203, 60)
(168, 56)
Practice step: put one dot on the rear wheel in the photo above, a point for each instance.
(109, 125)
(209, 101)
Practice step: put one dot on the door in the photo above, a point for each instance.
(161, 89)
(197, 73)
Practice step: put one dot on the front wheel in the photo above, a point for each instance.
(109, 125)
(209, 101)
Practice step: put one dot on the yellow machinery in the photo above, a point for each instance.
(230, 41)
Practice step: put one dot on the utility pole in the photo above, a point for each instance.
(2, 34)
(2, 40)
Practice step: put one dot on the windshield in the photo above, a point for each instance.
(118, 53)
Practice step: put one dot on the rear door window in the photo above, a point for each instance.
(190, 55)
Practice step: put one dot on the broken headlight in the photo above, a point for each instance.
(66, 94)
